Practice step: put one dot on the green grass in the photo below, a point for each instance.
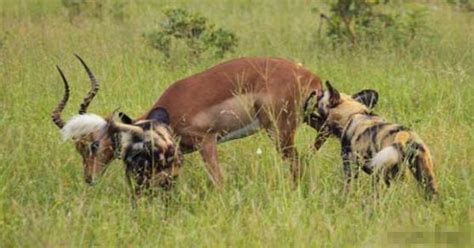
(44, 202)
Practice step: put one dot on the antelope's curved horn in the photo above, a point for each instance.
(56, 115)
(94, 87)
(128, 128)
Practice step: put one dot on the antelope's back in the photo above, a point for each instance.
(266, 79)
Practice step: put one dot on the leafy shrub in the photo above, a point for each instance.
(358, 21)
(77, 8)
(192, 30)
(3, 39)
(74, 8)
(118, 12)
(410, 25)
(222, 41)
(350, 18)
(467, 5)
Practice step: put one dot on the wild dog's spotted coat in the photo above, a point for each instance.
(371, 142)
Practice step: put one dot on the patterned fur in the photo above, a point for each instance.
(369, 141)
(151, 156)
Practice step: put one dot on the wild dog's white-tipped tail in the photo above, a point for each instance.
(385, 157)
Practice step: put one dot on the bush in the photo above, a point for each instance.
(466, 5)
(360, 21)
(78, 9)
(118, 12)
(410, 25)
(194, 31)
(3, 39)
(74, 8)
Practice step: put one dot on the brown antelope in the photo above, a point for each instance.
(234, 100)
(228, 101)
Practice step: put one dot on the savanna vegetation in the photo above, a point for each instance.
(419, 56)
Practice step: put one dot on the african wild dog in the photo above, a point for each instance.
(371, 142)
(151, 155)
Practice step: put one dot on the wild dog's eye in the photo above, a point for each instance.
(94, 146)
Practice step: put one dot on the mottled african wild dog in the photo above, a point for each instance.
(151, 157)
(371, 142)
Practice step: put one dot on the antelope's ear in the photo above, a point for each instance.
(160, 115)
(334, 96)
(367, 97)
(125, 118)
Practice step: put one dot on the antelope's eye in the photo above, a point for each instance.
(94, 146)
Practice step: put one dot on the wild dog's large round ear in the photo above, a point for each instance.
(125, 118)
(160, 115)
(367, 97)
(334, 96)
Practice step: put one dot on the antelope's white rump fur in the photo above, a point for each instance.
(80, 125)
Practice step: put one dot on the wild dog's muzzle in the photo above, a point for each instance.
(151, 164)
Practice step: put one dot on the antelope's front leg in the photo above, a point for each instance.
(208, 151)
(286, 146)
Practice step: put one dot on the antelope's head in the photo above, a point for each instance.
(150, 149)
(97, 139)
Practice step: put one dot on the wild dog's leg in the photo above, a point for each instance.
(208, 151)
(323, 135)
(131, 186)
(323, 130)
(346, 166)
(422, 169)
(391, 173)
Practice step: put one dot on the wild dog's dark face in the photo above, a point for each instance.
(152, 154)
(336, 108)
